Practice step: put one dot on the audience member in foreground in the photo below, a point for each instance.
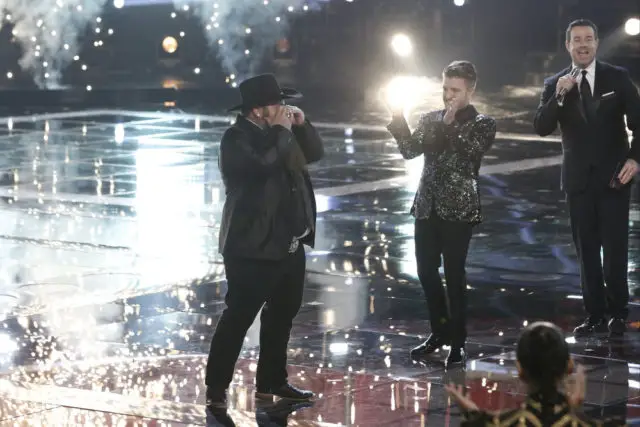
(554, 395)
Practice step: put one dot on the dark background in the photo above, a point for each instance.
(343, 48)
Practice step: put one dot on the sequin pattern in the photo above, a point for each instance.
(531, 414)
(453, 154)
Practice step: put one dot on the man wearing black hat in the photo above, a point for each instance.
(268, 215)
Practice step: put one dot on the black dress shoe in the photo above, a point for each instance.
(432, 343)
(456, 357)
(617, 326)
(216, 399)
(286, 391)
(218, 417)
(590, 326)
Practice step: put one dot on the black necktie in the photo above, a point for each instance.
(585, 91)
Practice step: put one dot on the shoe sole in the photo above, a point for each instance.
(271, 396)
(217, 405)
(422, 354)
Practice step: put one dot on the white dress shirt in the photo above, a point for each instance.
(591, 76)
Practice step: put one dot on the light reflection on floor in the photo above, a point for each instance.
(111, 284)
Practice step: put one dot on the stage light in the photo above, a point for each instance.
(459, 2)
(401, 45)
(118, 4)
(402, 92)
(632, 26)
(170, 44)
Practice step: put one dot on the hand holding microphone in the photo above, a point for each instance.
(296, 115)
(282, 117)
(566, 83)
(452, 108)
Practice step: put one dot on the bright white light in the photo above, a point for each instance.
(7, 345)
(632, 26)
(118, 4)
(459, 2)
(406, 92)
(339, 348)
(323, 205)
(119, 133)
(401, 45)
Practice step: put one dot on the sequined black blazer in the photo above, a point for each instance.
(453, 154)
(537, 412)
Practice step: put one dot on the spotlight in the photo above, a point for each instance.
(402, 92)
(401, 45)
(170, 44)
(459, 2)
(632, 26)
(118, 4)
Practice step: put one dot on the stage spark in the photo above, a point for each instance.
(48, 32)
(243, 31)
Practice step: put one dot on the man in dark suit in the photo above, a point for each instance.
(269, 214)
(598, 166)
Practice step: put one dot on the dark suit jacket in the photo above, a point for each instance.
(593, 140)
(256, 215)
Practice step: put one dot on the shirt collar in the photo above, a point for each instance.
(261, 127)
(466, 113)
(591, 68)
(247, 121)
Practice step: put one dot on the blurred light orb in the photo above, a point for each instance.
(118, 4)
(170, 44)
(403, 92)
(632, 26)
(401, 45)
(459, 2)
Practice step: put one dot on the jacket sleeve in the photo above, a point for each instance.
(310, 142)
(546, 119)
(473, 142)
(632, 110)
(424, 139)
(239, 157)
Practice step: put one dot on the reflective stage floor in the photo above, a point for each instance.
(111, 284)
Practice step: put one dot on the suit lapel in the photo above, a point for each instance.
(598, 90)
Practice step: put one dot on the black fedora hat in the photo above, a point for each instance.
(263, 90)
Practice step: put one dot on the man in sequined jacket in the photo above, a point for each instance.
(447, 204)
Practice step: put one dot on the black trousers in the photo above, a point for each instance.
(600, 224)
(437, 239)
(276, 287)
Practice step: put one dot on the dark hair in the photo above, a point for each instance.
(581, 23)
(543, 355)
(462, 70)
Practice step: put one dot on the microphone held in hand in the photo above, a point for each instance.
(574, 74)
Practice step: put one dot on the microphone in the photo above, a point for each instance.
(574, 73)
